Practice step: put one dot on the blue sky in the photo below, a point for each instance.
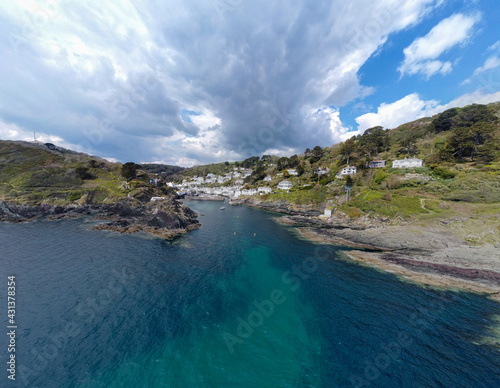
(198, 82)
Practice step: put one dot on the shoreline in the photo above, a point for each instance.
(424, 268)
(162, 219)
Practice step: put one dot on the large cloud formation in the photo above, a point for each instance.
(188, 82)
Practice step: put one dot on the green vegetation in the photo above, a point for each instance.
(32, 173)
(304, 196)
(461, 174)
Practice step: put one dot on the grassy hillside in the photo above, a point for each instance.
(460, 176)
(33, 173)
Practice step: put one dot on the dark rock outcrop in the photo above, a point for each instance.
(165, 218)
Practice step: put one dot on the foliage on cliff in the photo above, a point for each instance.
(34, 173)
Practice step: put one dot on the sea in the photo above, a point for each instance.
(240, 302)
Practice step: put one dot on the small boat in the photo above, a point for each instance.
(222, 208)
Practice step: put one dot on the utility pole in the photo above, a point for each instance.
(348, 192)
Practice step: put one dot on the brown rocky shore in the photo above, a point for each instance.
(428, 254)
(164, 218)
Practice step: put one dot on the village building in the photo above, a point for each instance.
(322, 171)
(349, 170)
(376, 164)
(285, 185)
(407, 163)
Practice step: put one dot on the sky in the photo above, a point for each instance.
(196, 82)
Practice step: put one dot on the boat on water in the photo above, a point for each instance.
(222, 208)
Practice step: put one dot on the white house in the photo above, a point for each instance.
(154, 199)
(238, 181)
(377, 164)
(322, 171)
(292, 171)
(248, 192)
(247, 173)
(155, 181)
(265, 190)
(349, 170)
(268, 178)
(407, 163)
(285, 185)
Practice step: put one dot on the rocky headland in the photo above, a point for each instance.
(164, 218)
(427, 253)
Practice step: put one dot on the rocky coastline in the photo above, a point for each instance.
(165, 218)
(426, 253)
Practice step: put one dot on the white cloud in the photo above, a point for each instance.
(477, 97)
(495, 46)
(138, 66)
(491, 63)
(421, 56)
(10, 131)
(412, 107)
(205, 120)
(409, 108)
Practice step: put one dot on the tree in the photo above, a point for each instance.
(300, 169)
(348, 148)
(316, 154)
(468, 142)
(129, 170)
(408, 143)
(250, 162)
(444, 121)
(472, 114)
(373, 141)
(293, 161)
(257, 175)
(283, 163)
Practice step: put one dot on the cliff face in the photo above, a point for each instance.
(164, 218)
(42, 181)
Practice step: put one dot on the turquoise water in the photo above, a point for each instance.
(240, 302)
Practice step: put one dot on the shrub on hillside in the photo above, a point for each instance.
(443, 172)
(380, 176)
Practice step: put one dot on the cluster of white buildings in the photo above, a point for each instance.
(203, 186)
(400, 163)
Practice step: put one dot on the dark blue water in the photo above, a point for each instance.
(241, 302)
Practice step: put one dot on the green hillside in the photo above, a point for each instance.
(34, 173)
(460, 149)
